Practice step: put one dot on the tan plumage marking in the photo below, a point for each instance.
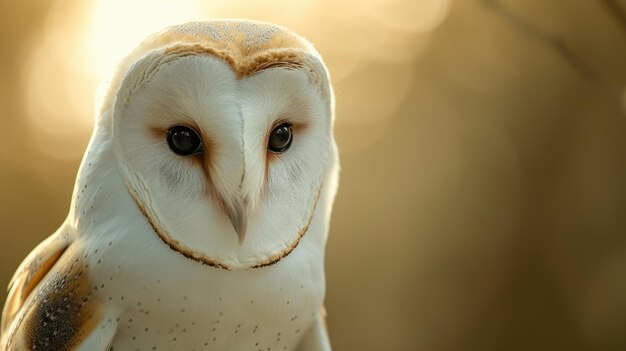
(196, 256)
(323, 315)
(297, 129)
(174, 244)
(286, 251)
(244, 66)
(205, 161)
(61, 312)
(247, 47)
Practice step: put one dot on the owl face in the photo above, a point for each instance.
(226, 166)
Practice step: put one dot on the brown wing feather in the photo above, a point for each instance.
(51, 304)
(30, 273)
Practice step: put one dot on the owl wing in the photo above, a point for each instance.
(51, 305)
(29, 274)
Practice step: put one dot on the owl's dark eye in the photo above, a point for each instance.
(184, 141)
(280, 138)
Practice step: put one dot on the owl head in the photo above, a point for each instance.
(222, 134)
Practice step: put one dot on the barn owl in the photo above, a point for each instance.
(200, 212)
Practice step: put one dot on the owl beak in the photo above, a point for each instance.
(239, 219)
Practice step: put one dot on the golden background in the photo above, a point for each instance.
(482, 203)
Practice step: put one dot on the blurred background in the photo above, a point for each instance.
(482, 203)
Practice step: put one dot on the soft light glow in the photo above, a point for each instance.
(481, 199)
(117, 26)
(83, 41)
(409, 15)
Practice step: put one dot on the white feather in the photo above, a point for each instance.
(130, 183)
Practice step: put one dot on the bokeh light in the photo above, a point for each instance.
(82, 42)
(482, 197)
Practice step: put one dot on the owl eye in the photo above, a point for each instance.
(184, 141)
(280, 138)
